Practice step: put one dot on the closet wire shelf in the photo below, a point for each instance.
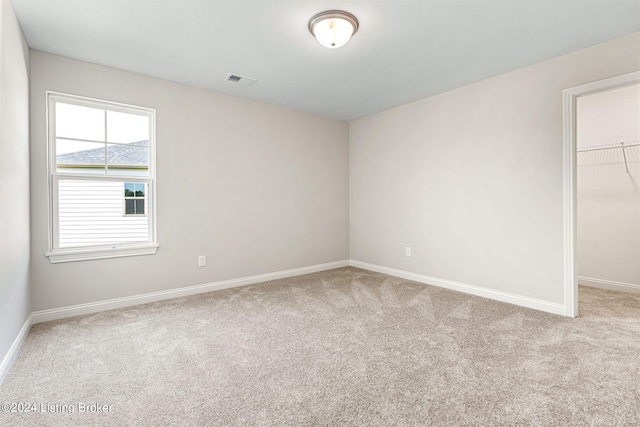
(623, 146)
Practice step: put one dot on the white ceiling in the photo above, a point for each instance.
(403, 51)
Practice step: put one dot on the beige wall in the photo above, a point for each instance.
(472, 179)
(14, 179)
(609, 117)
(608, 196)
(256, 188)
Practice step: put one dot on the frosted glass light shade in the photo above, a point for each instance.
(333, 33)
(333, 28)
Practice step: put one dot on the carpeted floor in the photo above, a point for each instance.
(343, 347)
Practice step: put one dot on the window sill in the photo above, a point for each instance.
(70, 255)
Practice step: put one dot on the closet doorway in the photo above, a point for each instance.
(601, 181)
(608, 189)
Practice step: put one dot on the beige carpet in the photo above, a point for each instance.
(344, 347)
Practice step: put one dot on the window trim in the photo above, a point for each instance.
(56, 254)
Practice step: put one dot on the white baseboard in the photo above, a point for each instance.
(94, 307)
(547, 306)
(15, 349)
(609, 284)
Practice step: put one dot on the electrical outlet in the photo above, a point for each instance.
(202, 261)
(407, 251)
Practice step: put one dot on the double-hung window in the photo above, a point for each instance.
(101, 179)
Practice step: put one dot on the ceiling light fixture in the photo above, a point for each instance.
(333, 28)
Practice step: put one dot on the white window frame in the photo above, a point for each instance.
(57, 254)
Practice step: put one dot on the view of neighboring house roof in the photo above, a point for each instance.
(133, 154)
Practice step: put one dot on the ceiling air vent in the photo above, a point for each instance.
(245, 81)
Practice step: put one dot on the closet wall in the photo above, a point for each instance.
(608, 194)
